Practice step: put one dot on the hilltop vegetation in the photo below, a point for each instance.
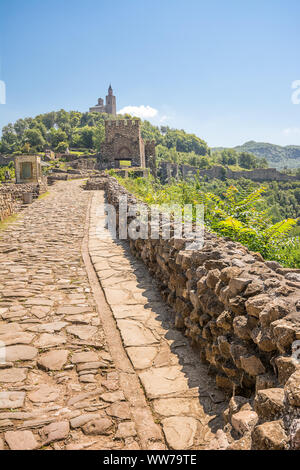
(85, 131)
(62, 129)
(277, 156)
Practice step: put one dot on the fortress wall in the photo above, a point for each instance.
(240, 312)
(122, 141)
(168, 170)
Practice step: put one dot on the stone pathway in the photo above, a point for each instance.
(59, 387)
(84, 371)
(181, 394)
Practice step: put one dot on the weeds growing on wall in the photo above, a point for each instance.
(236, 214)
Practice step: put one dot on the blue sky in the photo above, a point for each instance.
(221, 69)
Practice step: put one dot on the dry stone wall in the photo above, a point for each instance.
(96, 183)
(7, 206)
(243, 315)
(11, 196)
(17, 190)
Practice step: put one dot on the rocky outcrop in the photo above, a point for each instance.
(243, 314)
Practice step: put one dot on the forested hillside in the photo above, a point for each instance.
(277, 156)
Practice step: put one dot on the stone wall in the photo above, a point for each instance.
(7, 206)
(17, 190)
(96, 183)
(84, 163)
(123, 141)
(243, 315)
(169, 170)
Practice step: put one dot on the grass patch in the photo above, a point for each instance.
(126, 163)
(41, 196)
(7, 221)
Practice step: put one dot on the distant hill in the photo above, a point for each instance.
(277, 156)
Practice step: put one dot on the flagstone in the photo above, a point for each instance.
(53, 360)
(20, 353)
(70, 310)
(40, 302)
(82, 332)
(13, 375)
(142, 357)
(180, 432)
(162, 381)
(21, 440)
(16, 338)
(47, 341)
(49, 327)
(44, 394)
(88, 356)
(11, 400)
(40, 312)
(135, 333)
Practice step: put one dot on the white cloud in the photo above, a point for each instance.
(163, 118)
(143, 112)
(292, 131)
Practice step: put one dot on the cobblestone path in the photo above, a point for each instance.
(182, 396)
(66, 381)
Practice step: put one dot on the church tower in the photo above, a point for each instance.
(110, 104)
(111, 107)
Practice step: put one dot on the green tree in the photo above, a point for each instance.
(247, 160)
(48, 119)
(62, 147)
(86, 137)
(229, 157)
(34, 138)
(56, 136)
(99, 137)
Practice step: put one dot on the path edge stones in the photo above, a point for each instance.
(150, 434)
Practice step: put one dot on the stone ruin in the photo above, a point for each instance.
(29, 180)
(123, 142)
(28, 169)
(168, 170)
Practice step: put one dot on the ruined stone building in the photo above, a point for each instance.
(28, 169)
(123, 141)
(110, 106)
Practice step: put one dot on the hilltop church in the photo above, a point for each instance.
(110, 106)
